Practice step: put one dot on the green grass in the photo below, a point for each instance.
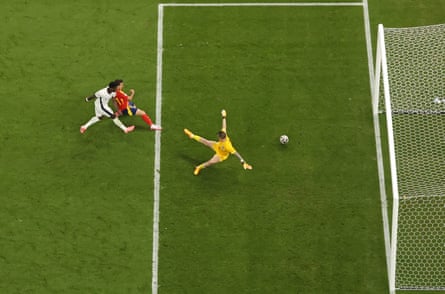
(282, 227)
(76, 213)
(76, 210)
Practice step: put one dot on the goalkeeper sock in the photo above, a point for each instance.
(192, 136)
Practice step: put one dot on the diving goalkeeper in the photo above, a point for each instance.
(223, 147)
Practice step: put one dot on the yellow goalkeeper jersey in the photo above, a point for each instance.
(224, 148)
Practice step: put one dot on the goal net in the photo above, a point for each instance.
(409, 98)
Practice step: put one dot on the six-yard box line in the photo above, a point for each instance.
(157, 161)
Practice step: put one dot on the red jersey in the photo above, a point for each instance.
(121, 100)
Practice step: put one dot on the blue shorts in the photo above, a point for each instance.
(130, 110)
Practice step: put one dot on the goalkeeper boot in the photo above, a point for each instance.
(188, 133)
(197, 170)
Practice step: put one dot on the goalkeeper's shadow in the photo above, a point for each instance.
(189, 159)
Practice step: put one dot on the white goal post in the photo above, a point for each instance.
(409, 105)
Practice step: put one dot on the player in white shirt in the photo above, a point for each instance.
(102, 109)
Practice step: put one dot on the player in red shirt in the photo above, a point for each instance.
(126, 106)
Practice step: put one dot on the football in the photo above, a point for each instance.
(284, 139)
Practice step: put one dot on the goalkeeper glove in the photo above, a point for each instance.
(223, 113)
(246, 165)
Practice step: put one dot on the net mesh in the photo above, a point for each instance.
(416, 70)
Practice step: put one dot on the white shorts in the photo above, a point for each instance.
(102, 109)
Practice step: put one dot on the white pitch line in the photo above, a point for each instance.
(378, 141)
(263, 4)
(368, 44)
(157, 163)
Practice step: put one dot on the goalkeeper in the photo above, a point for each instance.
(223, 147)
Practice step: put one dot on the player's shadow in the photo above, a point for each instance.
(140, 127)
(189, 159)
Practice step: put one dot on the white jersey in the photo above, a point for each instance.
(103, 95)
(101, 103)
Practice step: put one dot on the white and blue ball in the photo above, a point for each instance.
(284, 139)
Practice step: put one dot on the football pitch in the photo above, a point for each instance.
(108, 212)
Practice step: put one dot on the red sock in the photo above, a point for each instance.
(147, 119)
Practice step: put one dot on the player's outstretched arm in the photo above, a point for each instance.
(224, 123)
(245, 164)
(131, 94)
(89, 98)
(118, 111)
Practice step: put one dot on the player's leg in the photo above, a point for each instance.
(120, 125)
(94, 119)
(105, 110)
(215, 159)
(199, 139)
(147, 119)
(89, 123)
